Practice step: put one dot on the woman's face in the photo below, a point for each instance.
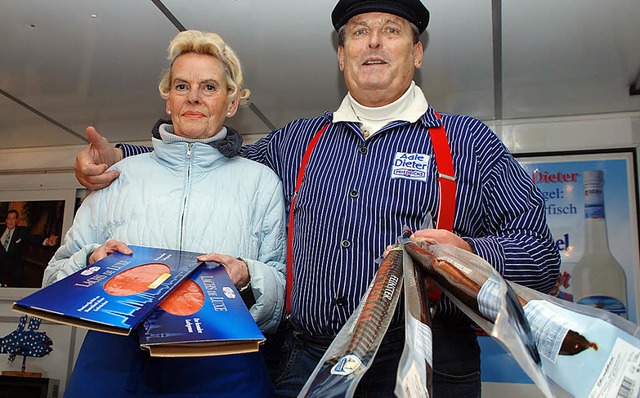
(199, 99)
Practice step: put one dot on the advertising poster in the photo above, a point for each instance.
(587, 247)
(595, 227)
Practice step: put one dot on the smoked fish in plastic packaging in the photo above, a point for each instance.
(415, 370)
(483, 295)
(588, 352)
(352, 351)
(583, 351)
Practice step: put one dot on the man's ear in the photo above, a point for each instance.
(341, 57)
(418, 53)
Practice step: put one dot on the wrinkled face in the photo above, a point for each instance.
(199, 99)
(378, 57)
(12, 220)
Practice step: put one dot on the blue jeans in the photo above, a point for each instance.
(456, 357)
(304, 352)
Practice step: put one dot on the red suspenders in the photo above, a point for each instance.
(446, 186)
(446, 177)
(303, 166)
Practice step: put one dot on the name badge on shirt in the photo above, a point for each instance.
(410, 166)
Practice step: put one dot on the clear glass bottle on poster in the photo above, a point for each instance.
(598, 279)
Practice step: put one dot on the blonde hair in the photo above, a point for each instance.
(206, 43)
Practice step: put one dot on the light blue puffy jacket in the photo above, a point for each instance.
(189, 196)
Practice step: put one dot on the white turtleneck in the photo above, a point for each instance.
(168, 136)
(409, 107)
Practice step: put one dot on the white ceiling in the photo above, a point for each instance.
(66, 64)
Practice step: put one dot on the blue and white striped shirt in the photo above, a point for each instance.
(349, 208)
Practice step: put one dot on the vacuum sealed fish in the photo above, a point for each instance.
(483, 295)
(352, 351)
(415, 370)
(587, 351)
(583, 351)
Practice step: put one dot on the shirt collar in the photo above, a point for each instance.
(430, 119)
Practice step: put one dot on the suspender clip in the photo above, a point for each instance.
(447, 177)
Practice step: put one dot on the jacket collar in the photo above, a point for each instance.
(229, 146)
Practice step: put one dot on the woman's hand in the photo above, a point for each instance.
(237, 269)
(110, 247)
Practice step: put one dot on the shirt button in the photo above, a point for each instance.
(354, 193)
(345, 243)
(362, 149)
(341, 301)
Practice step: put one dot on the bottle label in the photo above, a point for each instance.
(607, 303)
(593, 203)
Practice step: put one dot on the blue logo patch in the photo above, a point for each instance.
(346, 365)
(410, 166)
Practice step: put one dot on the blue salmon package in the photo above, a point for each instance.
(204, 316)
(114, 294)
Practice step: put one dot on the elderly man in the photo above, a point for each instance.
(371, 170)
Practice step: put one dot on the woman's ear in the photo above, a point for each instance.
(233, 105)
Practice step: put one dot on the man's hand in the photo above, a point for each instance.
(441, 236)
(436, 236)
(110, 247)
(237, 269)
(93, 161)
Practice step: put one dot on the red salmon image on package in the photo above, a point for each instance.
(185, 300)
(137, 279)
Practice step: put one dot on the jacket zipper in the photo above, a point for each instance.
(186, 194)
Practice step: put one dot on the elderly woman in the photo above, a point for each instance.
(191, 193)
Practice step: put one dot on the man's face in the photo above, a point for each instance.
(378, 57)
(11, 220)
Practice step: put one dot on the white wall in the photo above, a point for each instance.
(41, 170)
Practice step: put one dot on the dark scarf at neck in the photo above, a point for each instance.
(229, 146)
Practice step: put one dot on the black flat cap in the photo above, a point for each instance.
(411, 10)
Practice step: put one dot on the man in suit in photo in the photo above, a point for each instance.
(14, 241)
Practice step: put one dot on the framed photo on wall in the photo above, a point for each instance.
(32, 225)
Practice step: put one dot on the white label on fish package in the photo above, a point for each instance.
(424, 341)
(620, 376)
(548, 328)
(489, 299)
(460, 267)
(413, 385)
(346, 365)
